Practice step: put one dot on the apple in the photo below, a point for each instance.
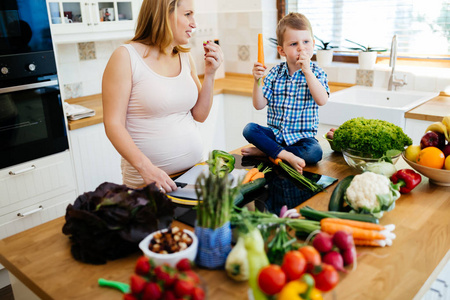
(432, 139)
(446, 150)
(412, 152)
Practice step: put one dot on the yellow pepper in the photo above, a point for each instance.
(300, 290)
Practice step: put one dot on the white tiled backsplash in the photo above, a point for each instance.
(236, 24)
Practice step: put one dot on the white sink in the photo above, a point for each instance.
(371, 103)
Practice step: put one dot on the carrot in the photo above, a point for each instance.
(357, 224)
(260, 49)
(249, 175)
(357, 233)
(360, 242)
(257, 176)
(275, 161)
(260, 52)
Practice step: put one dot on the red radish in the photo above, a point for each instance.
(335, 259)
(349, 256)
(323, 242)
(343, 240)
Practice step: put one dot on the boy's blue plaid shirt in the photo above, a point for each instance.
(292, 113)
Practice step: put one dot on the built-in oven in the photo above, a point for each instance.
(32, 122)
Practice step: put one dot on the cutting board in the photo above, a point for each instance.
(190, 177)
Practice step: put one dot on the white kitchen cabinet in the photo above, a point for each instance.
(238, 112)
(415, 129)
(95, 159)
(91, 20)
(35, 192)
(213, 129)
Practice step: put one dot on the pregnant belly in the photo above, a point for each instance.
(171, 148)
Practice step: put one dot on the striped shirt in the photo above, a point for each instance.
(292, 113)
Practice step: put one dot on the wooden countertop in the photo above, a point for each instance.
(241, 84)
(40, 257)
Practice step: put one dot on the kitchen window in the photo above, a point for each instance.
(422, 27)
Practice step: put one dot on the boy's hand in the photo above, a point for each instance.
(304, 60)
(258, 70)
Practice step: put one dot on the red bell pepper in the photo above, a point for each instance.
(407, 180)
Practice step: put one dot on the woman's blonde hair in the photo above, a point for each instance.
(294, 21)
(153, 24)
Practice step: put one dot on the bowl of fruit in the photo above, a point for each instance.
(169, 246)
(432, 157)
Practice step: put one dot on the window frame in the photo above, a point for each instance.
(441, 61)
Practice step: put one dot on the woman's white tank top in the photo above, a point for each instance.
(159, 118)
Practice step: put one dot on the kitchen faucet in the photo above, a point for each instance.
(393, 58)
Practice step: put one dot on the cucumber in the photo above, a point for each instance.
(337, 197)
(247, 188)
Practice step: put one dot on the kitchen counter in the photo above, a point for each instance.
(241, 84)
(40, 257)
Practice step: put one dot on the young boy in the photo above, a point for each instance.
(293, 92)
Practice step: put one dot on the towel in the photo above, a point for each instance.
(76, 112)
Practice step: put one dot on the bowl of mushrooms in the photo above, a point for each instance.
(169, 246)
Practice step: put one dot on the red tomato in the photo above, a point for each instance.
(326, 277)
(312, 257)
(294, 265)
(271, 279)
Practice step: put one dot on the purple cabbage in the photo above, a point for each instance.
(109, 223)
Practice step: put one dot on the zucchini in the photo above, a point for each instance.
(337, 197)
(247, 188)
(317, 215)
(312, 214)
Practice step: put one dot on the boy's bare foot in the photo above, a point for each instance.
(296, 162)
(252, 151)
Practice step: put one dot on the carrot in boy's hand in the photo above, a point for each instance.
(260, 49)
(260, 52)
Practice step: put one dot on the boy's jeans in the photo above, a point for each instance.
(263, 138)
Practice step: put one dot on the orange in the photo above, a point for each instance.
(431, 157)
(447, 162)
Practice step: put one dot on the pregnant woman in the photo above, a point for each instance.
(152, 95)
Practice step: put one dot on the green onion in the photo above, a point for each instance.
(313, 186)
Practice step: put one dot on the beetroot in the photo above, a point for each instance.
(343, 240)
(323, 242)
(335, 259)
(349, 256)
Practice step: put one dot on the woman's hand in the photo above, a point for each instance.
(162, 180)
(258, 70)
(213, 57)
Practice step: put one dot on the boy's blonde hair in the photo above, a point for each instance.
(294, 21)
(153, 24)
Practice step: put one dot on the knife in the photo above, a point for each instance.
(183, 185)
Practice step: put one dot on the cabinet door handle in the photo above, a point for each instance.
(23, 215)
(23, 170)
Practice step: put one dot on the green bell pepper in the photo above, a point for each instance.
(221, 162)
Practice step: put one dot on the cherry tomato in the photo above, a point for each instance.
(312, 257)
(271, 279)
(294, 265)
(326, 277)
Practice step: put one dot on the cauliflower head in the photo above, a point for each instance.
(371, 193)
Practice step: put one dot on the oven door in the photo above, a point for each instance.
(32, 122)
